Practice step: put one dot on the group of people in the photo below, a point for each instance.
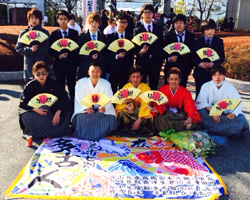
(106, 71)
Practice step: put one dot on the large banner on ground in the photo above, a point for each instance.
(124, 168)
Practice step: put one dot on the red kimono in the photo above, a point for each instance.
(182, 99)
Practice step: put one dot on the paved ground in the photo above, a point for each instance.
(232, 164)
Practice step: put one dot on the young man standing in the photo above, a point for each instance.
(182, 62)
(65, 63)
(203, 67)
(149, 57)
(93, 22)
(119, 63)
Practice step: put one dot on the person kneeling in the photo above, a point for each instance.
(134, 117)
(230, 122)
(179, 112)
(93, 123)
(46, 121)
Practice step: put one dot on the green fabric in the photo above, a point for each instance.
(126, 120)
(170, 120)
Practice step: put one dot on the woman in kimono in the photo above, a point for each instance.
(35, 52)
(179, 112)
(230, 122)
(134, 117)
(44, 122)
(95, 122)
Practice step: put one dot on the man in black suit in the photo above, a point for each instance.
(182, 62)
(203, 67)
(65, 63)
(119, 63)
(149, 57)
(93, 21)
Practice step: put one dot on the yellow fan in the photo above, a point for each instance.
(94, 45)
(95, 98)
(64, 44)
(177, 47)
(144, 37)
(225, 105)
(124, 94)
(121, 44)
(208, 53)
(154, 96)
(33, 36)
(42, 100)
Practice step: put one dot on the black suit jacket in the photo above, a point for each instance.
(217, 45)
(86, 60)
(154, 49)
(184, 62)
(119, 65)
(71, 60)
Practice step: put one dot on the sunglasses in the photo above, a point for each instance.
(42, 73)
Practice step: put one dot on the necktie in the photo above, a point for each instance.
(208, 43)
(93, 37)
(149, 28)
(121, 36)
(180, 38)
(65, 34)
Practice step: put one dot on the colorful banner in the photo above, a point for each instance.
(144, 168)
(88, 6)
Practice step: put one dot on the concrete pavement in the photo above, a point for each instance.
(232, 164)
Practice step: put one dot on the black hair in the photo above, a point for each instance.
(122, 16)
(136, 69)
(179, 17)
(218, 68)
(62, 12)
(208, 24)
(171, 10)
(72, 16)
(95, 64)
(147, 6)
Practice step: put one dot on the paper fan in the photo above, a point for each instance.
(94, 45)
(154, 96)
(121, 44)
(208, 53)
(144, 37)
(64, 44)
(42, 100)
(225, 105)
(95, 98)
(177, 47)
(33, 36)
(124, 94)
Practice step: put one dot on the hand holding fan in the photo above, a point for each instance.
(125, 94)
(64, 45)
(178, 48)
(94, 45)
(33, 37)
(154, 96)
(208, 53)
(95, 99)
(144, 38)
(43, 100)
(121, 44)
(225, 105)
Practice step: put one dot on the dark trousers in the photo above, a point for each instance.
(68, 73)
(152, 70)
(118, 78)
(199, 81)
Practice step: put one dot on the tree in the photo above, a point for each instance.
(70, 4)
(205, 7)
